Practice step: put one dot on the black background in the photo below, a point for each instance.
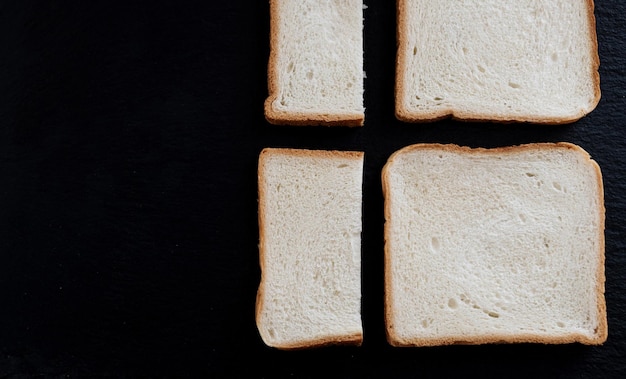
(129, 138)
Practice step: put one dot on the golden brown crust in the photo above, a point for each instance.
(602, 329)
(497, 339)
(401, 41)
(260, 296)
(493, 150)
(309, 153)
(593, 37)
(388, 299)
(354, 339)
(406, 115)
(305, 119)
(351, 340)
(277, 117)
(272, 80)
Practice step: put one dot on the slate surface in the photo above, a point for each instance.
(129, 136)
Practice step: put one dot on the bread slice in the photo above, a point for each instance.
(498, 245)
(310, 248)
(315, 71)
(496, 60)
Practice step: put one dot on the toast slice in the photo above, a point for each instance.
(498, 245)
(315, 70)
(310, 248)
(494, 60)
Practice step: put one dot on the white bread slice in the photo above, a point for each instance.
(498, 245)
(315, 70)
(496, 60)
(310, 248)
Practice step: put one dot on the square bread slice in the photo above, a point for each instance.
(497, 245)
(496, 60)
(309, 247)
(315, 70)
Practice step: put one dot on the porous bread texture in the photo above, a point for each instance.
(493, 60)
(310, 248)
(315, 71)
(494, 245)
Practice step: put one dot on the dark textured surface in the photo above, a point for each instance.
(129, 136)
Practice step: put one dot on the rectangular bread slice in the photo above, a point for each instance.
(497, 245)
(496, 60)
(310, 248)
(315, 70)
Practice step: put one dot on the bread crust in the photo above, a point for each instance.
(353, 339)
(601, 332)
(409, 116)
(277, 117)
